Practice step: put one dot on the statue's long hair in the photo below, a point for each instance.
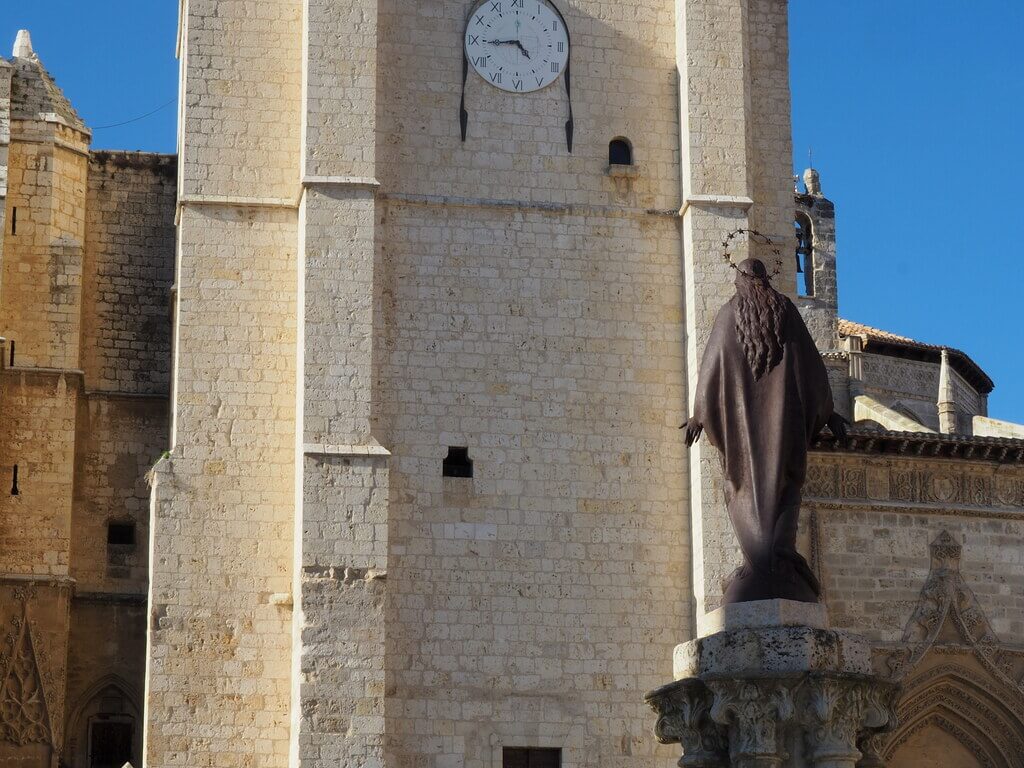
(760, 322)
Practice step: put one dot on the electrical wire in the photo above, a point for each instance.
(136, 119)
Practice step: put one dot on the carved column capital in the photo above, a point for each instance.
(834, 710)
(843, 717)
(755, 713)
(683, 710)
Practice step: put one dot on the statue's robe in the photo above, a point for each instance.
(763, 430)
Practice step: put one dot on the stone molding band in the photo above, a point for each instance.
(345, 451)
(230, 201)
(717, 201)
(443, 201)
(365, 182)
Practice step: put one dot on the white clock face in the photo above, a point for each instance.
(517, 45)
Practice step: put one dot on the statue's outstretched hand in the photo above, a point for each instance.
(693, 431)
(837, 425)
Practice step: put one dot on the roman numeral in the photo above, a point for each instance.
(496, 7)
(561, 47)
(540, 81)
(554, 26)
(480, 19)
(555, 66)
(496, 77)
(517, 84)
(517, 3)
(480, 61)
(474, 39)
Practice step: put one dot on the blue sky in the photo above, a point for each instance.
(915, 113)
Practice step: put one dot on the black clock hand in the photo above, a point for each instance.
(516, 43)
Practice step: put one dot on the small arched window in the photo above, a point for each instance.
(620, 152)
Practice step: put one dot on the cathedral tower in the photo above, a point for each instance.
(435, 329)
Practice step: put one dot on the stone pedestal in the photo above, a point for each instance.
(772, 686)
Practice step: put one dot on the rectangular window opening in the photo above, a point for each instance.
(457, 463)
(14, 221)
(531, 757)
(121, 534)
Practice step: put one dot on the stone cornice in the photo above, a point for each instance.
(914, 444)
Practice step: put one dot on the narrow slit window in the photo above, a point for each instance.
(457, 463)
(14, 483)
(121, 534)
(14, 220)
(12, 355)
(531, 757)
(620, 152)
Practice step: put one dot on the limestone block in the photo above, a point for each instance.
(772, 650)
(763, 613)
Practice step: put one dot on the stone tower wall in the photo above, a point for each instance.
(44, 235)
(358, 291)
(732, 56)
(129, 268)
(223, 503)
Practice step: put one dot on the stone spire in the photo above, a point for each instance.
(23, 45)
(947, 399)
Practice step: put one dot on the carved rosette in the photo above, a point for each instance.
(684, 717)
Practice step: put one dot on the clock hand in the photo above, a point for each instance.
(526, 53)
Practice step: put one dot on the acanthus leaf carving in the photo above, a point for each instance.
(758, 708)
(684, 717)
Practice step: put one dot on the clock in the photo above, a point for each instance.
(517, 45)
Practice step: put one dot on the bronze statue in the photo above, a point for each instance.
(762, 397)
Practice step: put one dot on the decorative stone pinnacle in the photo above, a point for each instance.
(947, 397)
(23, 45)
(812, 180)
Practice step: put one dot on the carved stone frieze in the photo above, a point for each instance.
(904, 485)
(854, 485)
(942, 483)
(821, 480)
